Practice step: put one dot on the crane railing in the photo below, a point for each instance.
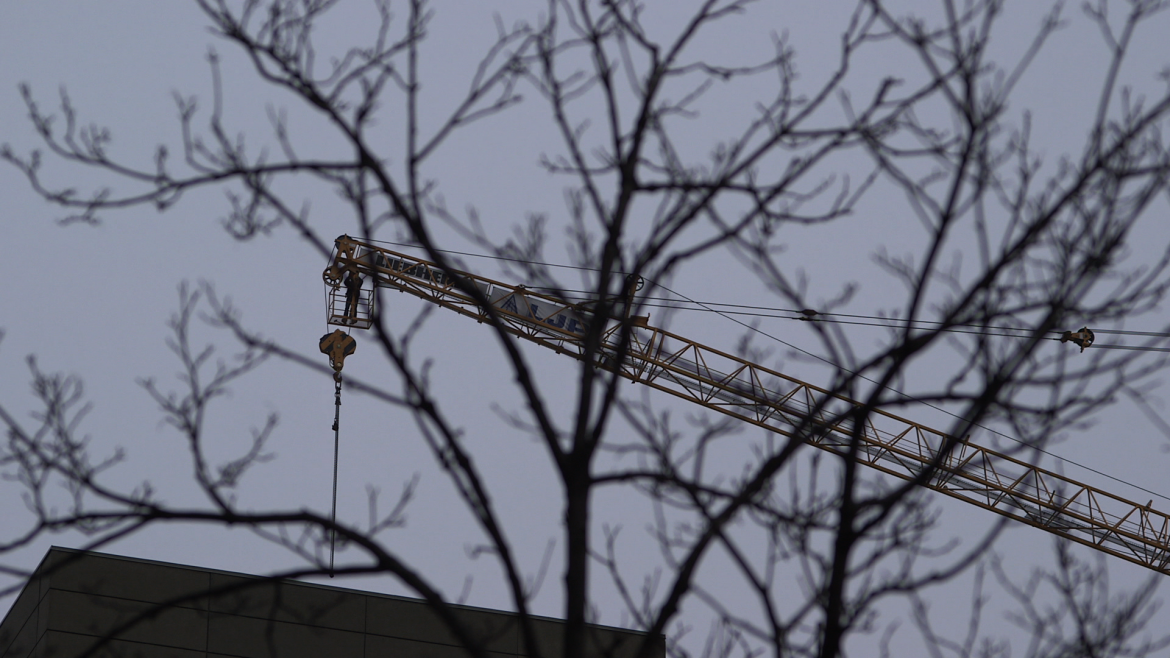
(755, 394)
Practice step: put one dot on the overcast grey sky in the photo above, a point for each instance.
(94, 301)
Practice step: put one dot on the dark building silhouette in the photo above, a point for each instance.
(145, 609)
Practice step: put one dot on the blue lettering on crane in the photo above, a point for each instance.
(510, 304)
(561, 317)
(417, 270)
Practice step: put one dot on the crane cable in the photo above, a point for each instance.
(804, 314)
(924, 402)
(708, 307)
(809, 315)
(336, 454)
(336, 346)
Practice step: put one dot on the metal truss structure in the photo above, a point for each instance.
(755, 394)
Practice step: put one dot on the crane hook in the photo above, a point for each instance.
(337, 346)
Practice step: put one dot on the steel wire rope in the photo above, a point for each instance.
(815, 316)
(827, 320)
(336, 450)
(924, 402)
(707, 307)
(336, 458)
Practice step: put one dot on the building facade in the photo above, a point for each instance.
(109, 606)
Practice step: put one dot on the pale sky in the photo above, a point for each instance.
(94, 301)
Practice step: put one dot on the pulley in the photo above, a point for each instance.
(337, 346)
(1083, 338)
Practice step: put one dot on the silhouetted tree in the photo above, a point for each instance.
(629, 93)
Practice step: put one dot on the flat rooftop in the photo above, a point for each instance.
(127, 607)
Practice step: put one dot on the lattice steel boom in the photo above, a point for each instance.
(755, 394)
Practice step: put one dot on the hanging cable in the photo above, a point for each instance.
(336, 454)
(336, 346)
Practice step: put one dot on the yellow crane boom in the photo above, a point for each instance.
(779, 403)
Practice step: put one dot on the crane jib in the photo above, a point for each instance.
(562, 317)
(732, 385)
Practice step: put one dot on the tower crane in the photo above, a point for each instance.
(769, 399)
